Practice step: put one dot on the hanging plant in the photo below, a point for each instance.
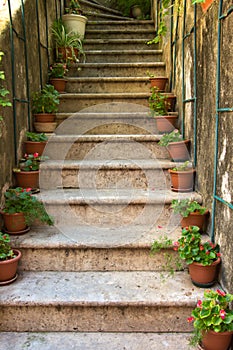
(4, 101)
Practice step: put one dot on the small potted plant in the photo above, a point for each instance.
(44, 107)
(35, 143)
(9, 259)
(213, 321)
(21, 209)
(202, 258)
(192, 213)
(157, 82)
(176, 146)
(157, 102)
(182, 177)
(57, 76)
(73, 18)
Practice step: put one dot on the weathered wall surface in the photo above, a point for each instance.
(207, 29)
(21, 122)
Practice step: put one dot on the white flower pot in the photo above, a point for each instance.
(75, 23)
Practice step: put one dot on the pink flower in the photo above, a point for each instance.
(25, 156)
(190, 319)
(35, 155)
(222, 314)
(199, 304)
(220, 292)
(175, 245)
(160, 226)
(28, 189)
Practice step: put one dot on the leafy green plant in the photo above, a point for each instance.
(74, 8)
(190, 248)
(212, 313)
(162, 29)
(6, 252)
(46, 100)
(4, 101)
(19, 200)
(58, 70)
(158, 103)
(173, 136)
(183, 167)
(186, 206)
(36, 137)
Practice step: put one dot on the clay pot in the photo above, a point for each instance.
(45, 127)
(195, 219)
(136, 11)
(59, 84)
(158, 82)
(179, 151)
(216, 341)
(14, 223)
(165, 123)
(171, 102)
(8, 268)
(67, 53)
(182, 181)
(26, 179)
(204, 276)
(45, 117)
(31, 147)
(205, 5)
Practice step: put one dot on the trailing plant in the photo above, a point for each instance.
(173, 136)
(36, 137)
(212, 313)
(46, 100)
(4, 101)
(6, 252)
(191, 249)
(157, 102)
(19, 200)
(186, 206)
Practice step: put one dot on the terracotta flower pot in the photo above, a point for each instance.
(45, 117)
(59, 84)
(67, 53)
(26, 179)
(179, 150)
(205, 5)
(216, 341)
(171, 102)
(165, 123)
(8, 268)
(195, 219)
(182, 181)
(14, 223)
(31, 147)
(204, 276)
(158, 82)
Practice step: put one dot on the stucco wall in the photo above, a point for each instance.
(7, 126)
(207, 28)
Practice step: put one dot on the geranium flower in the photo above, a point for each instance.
(218, 254)
(207, 253)
(175, 245)
(190, 319)
(222, 314)
(220, 292)
(28, 189)
(199, 304)
(35, 155)
(201, 247)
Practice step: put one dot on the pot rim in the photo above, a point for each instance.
(19, 254)
(167, 116)
(27, 141)
(178, 142)
(219, 333)
(191, 171)
(15, 214)
(216, 262)
(196, 213)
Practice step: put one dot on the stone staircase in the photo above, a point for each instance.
(89, 282)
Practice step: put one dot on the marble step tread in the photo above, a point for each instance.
(132, 95)
(94, 341)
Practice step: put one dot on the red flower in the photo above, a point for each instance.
(190, 319)
(207, 253)
(35, 155)
(175, 245)
(218, 254)
(201, 247)
(160, 226)
(220, 292)
(4, 237)
(199, 304)
(222, 314)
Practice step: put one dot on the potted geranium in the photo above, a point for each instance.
(176, 146)
(35, 143)
(159, 108)
(56, 76)
(202, 258)
(27, 175)
(21, 209)
(74, 20)
(44, 107)
(9, 259)
(182, 177)
(192, 213)
(213, 321)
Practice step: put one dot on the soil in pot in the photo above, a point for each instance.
(26, 179)
(59, 84)
(45, 117)
(216, 341)
(159, 82)
(8, 268)
(179, 151)
(204, 276)
(166, 123)
(31, 147)
(182, 181)
(195, 219)
(14, 223)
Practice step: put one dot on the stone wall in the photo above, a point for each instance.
(21, 121)
(207, 29)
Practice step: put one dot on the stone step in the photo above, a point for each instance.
(97, 341)
(90, 5)
(98, 174)
(109, 208)
(117, 69)
(75, 102)
(123, 56)
(146, 34)
(119, 44)
(121, 25)
(107, 123)
(98, 302)
(105, 147)
(96, 15)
